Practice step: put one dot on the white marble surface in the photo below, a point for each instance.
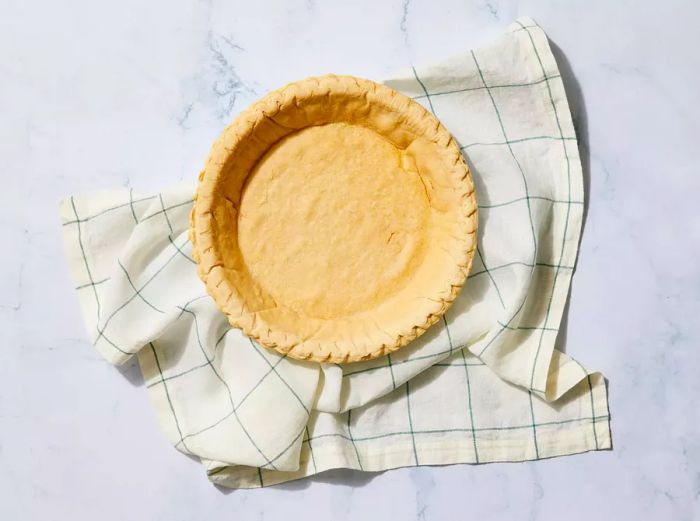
(103, 94)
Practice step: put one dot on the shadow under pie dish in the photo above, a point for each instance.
(334, 221)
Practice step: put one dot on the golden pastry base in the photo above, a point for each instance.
(335, 220)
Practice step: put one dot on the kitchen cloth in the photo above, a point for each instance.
(483, 385)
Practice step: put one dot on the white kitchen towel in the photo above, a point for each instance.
(483, 385)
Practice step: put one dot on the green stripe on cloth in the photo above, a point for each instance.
(493, 281)
(568, 208)
(469, 390)
(391, 371)
(447, 330)
(527, 328)
(92, 284)
(410, 423)
(311, 449)
(531, 198)
(400, 362)
(228, 390)
(138, 292)
(131, 205)
(187, 304)
(87, 267)
(534, 426)
(101, 331)
(424, 90)
(468, 364)
(170, 238)
(274, 369)
(460, 430)
(510, 148)
(352, 440)
(432, 109)
(165, 209)
(590, 391)
(515, 141)
(108, 210)
(469, 404)
(525, 185)
(470, 89)
(519, 263)
(167, 395)
(286, 449)
(165, 213)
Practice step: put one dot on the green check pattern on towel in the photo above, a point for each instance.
(484, 385)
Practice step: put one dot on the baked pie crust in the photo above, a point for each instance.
(334, 221)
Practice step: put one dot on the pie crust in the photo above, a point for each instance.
(335, 220)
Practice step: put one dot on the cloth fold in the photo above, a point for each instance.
(485, 384)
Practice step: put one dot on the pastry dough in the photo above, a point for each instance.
(335, 220)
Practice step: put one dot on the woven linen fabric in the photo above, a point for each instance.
(483, 385)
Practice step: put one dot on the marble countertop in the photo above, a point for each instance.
(130, 93)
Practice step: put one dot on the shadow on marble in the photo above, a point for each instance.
(340, 477)
(577, 105)
(610, 414)
(560, 342)
(343, 477)
(132, 372)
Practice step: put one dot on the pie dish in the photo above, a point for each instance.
(334, 221)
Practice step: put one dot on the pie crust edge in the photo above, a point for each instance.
(212, 275)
